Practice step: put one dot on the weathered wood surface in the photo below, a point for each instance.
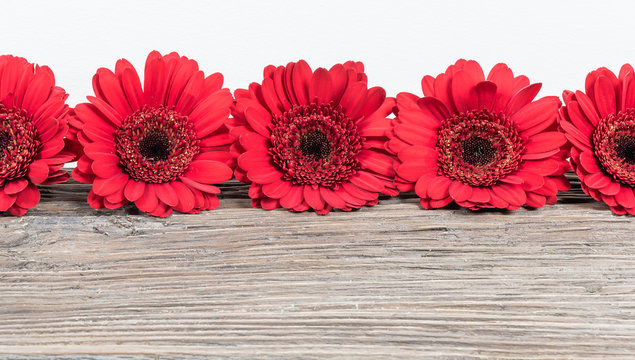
(391, 281)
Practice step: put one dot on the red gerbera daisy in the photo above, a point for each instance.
(32, 130)
(600, 124)
(480, 143)
(160, 147)
(313, 140)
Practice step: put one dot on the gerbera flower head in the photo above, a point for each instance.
(600, 124)
(161, 146)
(313, 139)
(32, 129)
(482, 143)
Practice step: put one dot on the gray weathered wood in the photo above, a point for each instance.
(391, 281)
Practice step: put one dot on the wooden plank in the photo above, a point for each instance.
(390, 281)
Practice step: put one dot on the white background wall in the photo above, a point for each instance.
(554, 42)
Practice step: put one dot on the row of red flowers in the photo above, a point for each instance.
(317, 140)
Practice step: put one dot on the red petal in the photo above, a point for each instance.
(94, 200)
(264, 174)
(605, 96)
(427, 85)
(259, 119)
(106, 166)
(208, 172)
(542, 111)
(575, 136)
(276, 189)
(252, 141)
(544, 142)
(148, 202)
(15, 210)
(460, 192)
(112, 92)
(542, 167)
(366, 181)
(512, 179)
(254, 158)
(106, 110)
(15, 186)
(438, 188)
(434, 110)
(596, 180)
(211, 113)
(313, 198)
(464, 92)
(376, 99)
(611, 189)
(132, 87)
(351, 201)
(134, 189)
(107, 186)
(531, 180)
(480, 195)
(301, 78)
(38, 90)
(589, 162)
(167, 194)
(185, 195)
(293, 197)
(28, 198)
(269, 204)
(587, 107)
(503, 77)
(522, 98)
(377, 162)
(202, 187)
(321, 86)
(155, 77)
(486, 94)
(580, 120)
(439, 203)
(332, 198)
(536, 201)
(38, 172)
(358, 192)
(353, 99)
(6, 200)
(628, 93)
(513, 194)
(625, 197)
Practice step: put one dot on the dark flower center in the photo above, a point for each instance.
(625, 149)
(18, 143)
(478, 147)
(614, 146)
(4, 141)
(156, 145)
(315, 145)
(478, 151)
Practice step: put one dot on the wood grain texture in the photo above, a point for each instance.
(390, 281)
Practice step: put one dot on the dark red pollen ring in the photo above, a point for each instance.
(478, 147)
(316, 145)
(614, 146)
(18, 143)
(156, 145)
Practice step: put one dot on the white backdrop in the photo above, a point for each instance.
(554, 42)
